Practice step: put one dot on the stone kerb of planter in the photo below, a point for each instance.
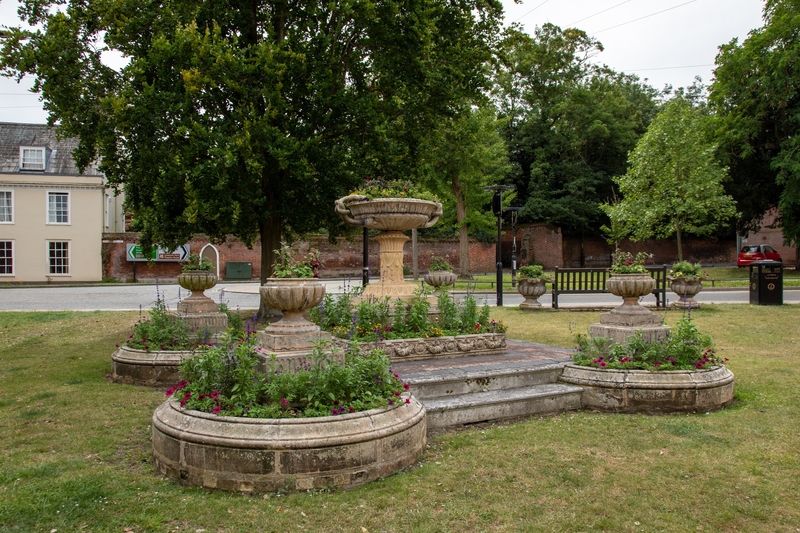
(142, 367)
(631, 391)
(263, 455)
(417, 349)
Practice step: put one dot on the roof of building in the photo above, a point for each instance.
(59, 158)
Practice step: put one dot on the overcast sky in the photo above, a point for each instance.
(665, 41)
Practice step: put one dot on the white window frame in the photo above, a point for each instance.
(12, 258)
(51, 221)
(28, 167)
(68, 258)
(11, 206)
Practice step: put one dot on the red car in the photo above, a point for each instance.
(756, 252)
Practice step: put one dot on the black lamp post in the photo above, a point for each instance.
(513, 211)
(497, 209)
(365, 263)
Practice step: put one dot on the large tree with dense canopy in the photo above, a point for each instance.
(249, 117)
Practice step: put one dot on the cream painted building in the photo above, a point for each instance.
(52, 217)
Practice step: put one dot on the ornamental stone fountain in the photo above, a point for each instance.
(391, 216)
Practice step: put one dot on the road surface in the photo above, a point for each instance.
(128, 297)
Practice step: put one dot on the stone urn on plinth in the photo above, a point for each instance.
(686, 288)
(531, 289)
(391, 216)
(198, 310)
(439, 278)
(631, 317)
(293, 332)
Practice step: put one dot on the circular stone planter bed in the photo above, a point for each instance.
(143, 367)
(636, 391)
(264, 455)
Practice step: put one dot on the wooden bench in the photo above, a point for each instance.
(593, 280)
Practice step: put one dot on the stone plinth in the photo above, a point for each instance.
(200, 322)
(290, 342)
(627, 320)
(630, 391)
(263, 455)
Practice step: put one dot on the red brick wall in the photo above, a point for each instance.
(340, 258)
(598, 251)
(540, 243)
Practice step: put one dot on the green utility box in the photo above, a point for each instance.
(238, 271)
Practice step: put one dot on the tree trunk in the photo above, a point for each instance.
(463, 230)
(678, 235)
(270, 231)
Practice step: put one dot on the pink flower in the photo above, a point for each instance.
(216, 409)
(284, 402)
(405, 386)
(396, 393)
(408, 400)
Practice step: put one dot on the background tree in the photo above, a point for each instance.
(674, 184)
(755, 96)
(230, 115)
(465, 154)
(570, 126)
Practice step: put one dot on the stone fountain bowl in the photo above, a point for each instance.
(389, 214)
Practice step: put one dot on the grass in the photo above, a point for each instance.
(76, 452)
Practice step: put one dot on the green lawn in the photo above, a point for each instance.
(76, 449)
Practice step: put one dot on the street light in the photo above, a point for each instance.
(497, 209)
(513, 211)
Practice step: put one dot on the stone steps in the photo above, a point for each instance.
(468, 390)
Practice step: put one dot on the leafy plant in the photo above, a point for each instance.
(532, 272)
(685, 349)
(225, 380)
(288, 266)
(370, 321)
(685, 269)
(438, 263)
(162, 331)
(627, 263)
(377, 188)
(197, 262)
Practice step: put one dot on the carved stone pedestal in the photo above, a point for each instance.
(199, 311)
(626, 320)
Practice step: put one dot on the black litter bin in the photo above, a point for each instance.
(766, 283)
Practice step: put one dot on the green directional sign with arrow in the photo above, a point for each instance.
(134, 253)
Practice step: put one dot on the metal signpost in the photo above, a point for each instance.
(513, 211)
(497, 209)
